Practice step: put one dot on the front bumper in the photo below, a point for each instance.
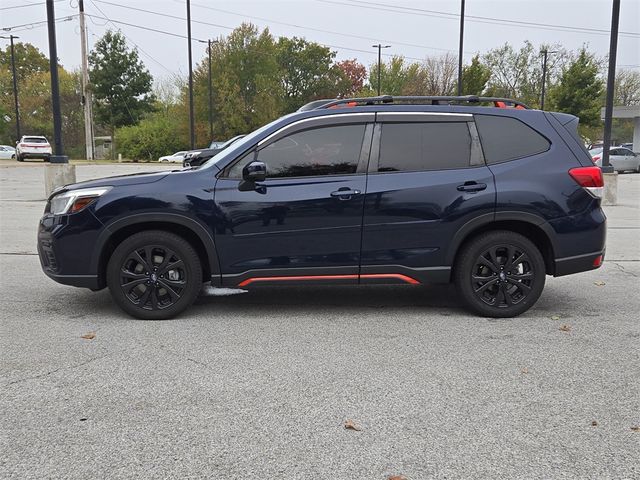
(66, 248)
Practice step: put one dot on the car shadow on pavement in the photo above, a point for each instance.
(338, 297)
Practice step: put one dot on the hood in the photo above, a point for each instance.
(120, 180)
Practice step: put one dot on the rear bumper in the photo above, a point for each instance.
(35, 154)
(578, 263)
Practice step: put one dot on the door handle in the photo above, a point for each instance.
(345, 193)
(472, 187)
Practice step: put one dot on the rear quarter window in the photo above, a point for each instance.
(507, 138)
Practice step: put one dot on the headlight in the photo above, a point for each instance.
(75, 200)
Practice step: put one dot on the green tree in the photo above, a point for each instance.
(518, 73)
(396, 77)
(29, 60)
(475, 77)
(579, 91)
(120, 81)
(308, 72)
(246, 81)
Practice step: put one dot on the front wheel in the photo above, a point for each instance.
(154, 275)
(500, 274)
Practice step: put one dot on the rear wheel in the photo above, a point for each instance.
(154, 275)
(500, 274)
(19, 158)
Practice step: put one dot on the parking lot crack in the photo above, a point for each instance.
(59, 369)
(623, 270)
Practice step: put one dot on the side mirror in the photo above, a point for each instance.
(254, 172)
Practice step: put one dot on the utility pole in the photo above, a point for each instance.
(611, 80)
(545, 53)
(210, 96)
(87, 96)
(379, 46)
(460, 47)
(192, 133)
(15, 86)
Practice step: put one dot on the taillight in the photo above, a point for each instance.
(589, 178)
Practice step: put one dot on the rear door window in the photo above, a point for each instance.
(407, 147)
(506, 138)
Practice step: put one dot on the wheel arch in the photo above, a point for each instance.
(191, 230)
(533, 227)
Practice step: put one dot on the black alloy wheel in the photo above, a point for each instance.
(500, 274)
(154, 275)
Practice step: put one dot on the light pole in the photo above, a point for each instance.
(544, 52)
(58, 156)
(379, 46)
(192, 133)
(611, 79)
(15, 85)
(460, 47)
(210, 42)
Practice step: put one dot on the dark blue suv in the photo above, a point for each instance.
(479, 191)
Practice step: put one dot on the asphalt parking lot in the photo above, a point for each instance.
(260, 385)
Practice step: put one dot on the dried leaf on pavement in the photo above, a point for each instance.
(397, 477)
(594, 423)
(89, 336)
(599, 283)
(635, 429)
(565, 328)
(524, 370)
(350, 425)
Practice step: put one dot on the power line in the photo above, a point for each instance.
(210, 24)
(40, 23)
(303, 27)
(143, 28)
(472, 18)
(28, 5)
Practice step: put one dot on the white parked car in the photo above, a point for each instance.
(176, 157)
(31, 146)
(7, 152)
(622, 159)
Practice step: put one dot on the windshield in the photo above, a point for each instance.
(35, 140)
(240, 145)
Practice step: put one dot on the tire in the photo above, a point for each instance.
(19, 158)
(510, 288)
(143, 288)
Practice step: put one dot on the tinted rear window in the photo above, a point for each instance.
(506, 138)
(424, 146)
(35, 140)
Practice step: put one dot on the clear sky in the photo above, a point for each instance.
(414, 29)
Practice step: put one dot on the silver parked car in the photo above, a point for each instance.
(622, 159)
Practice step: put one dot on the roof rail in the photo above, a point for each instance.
(423, 100)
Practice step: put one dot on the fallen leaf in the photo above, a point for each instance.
(397, 477)
(635, 429)
(594, 423)
(89, 336)
(524, 370)
(555, 317)
(349, 425)
(599, 283)
(565, 328)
